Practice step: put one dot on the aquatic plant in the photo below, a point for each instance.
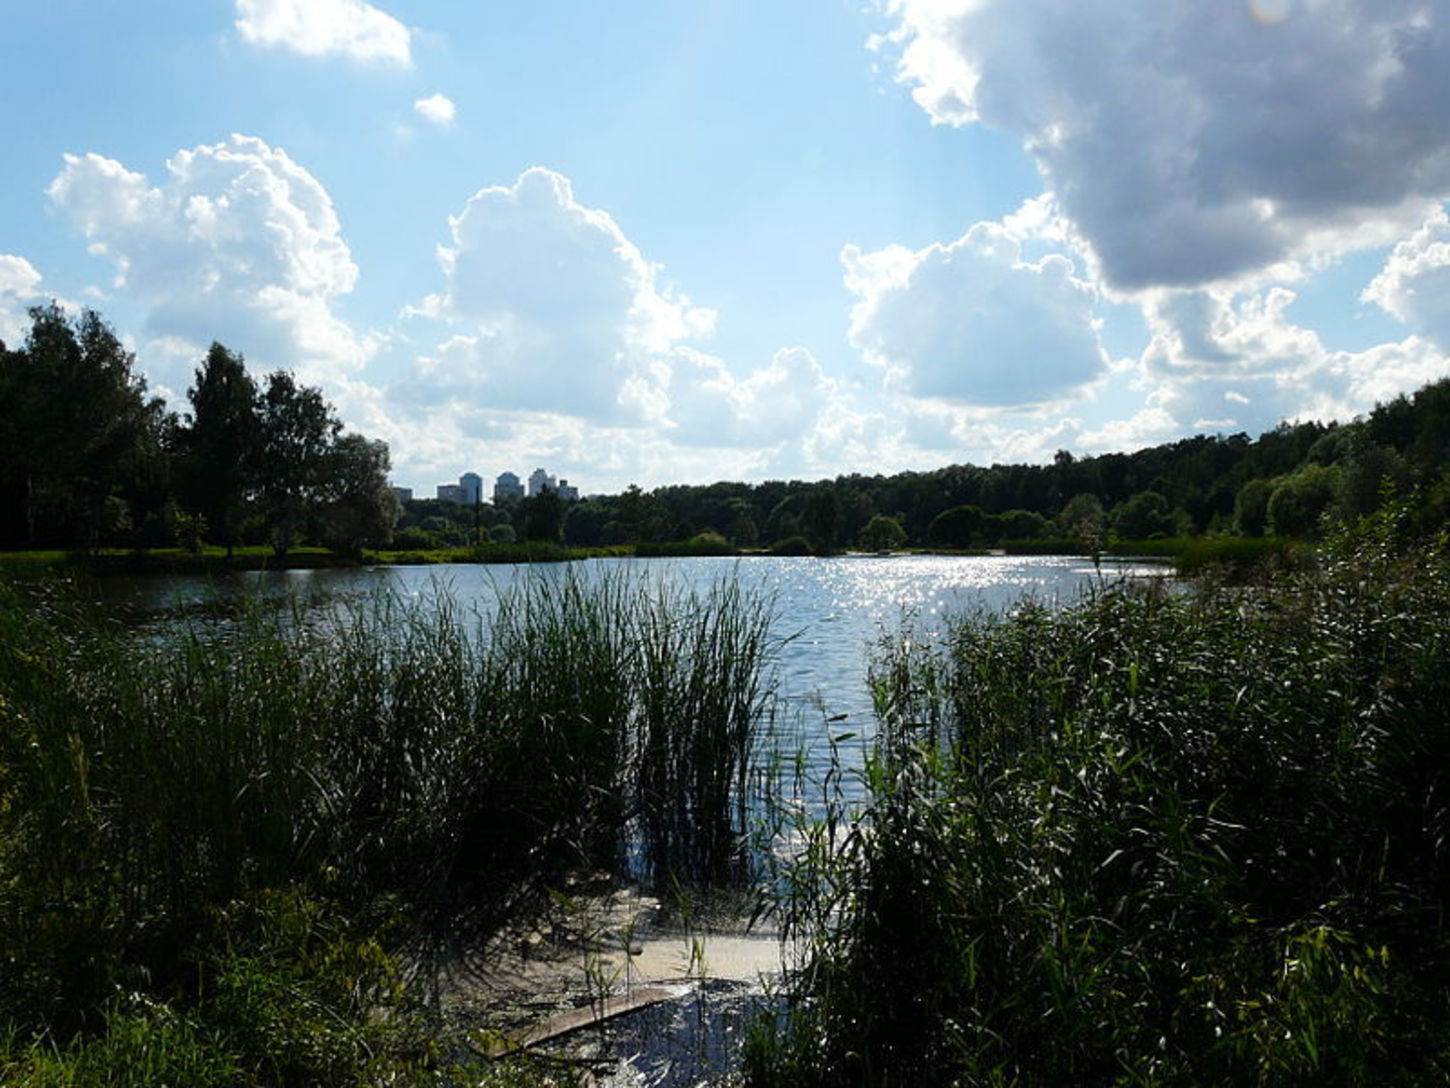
(1153, 838)
(421, 771)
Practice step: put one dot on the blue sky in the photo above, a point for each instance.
(658, 242)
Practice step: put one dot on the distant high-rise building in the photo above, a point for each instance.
(472, 485)
(451, 493)
(566, 492)
(540, 481)
(403, 494)
(507, 488)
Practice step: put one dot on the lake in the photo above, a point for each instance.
(831, 611)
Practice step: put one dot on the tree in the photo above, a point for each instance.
(358, 506)
(959, 527)
(1147, 514)
(1251, 507)
(882, 533)
(297, 431)
(77, 431)
(1083, 516)
(544, 516)
(1365, 473)
(1018, 525)
(820, 519)
(221, 444)
(1301, 500)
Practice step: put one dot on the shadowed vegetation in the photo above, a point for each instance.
(215, 842)
(1151, 839)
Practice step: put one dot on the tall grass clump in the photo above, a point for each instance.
(374, 778)
(1153, 838)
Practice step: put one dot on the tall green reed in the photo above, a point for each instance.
(1152, 838)
(403, 760)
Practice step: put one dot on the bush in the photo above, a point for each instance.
(793, 545)
(701, 544)
(882, 534)
(414, 540)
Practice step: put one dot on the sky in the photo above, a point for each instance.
(658, 242)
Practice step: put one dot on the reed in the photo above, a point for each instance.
(412, 767)
(1153, 838)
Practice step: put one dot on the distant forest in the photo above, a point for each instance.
(88, 459)
(1293, 481)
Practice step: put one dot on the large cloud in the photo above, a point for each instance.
(320, 28)
(973, 322)
(559, 309)
(554, 323)
(1194, 142)
(1221, 362)
(239, 244)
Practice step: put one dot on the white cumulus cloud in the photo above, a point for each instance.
(1220, 362)
(239, 243)
(776, 404)
(437, 109)
(554, 323)
(973, 322)
(1189, 142)
(1414, 284)
(557, 310)
(322, 28)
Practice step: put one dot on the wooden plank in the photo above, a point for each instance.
(566, 1023)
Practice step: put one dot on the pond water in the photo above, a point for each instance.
(831, 612)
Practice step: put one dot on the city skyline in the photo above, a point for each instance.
(660, 243)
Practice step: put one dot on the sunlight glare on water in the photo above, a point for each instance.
(830, 614)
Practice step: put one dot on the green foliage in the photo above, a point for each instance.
(820, 519)
(216, 819)
(297, 432)
(1018, 525)
(1083, 517)
(1153, 839)
(78, 435)
(220, 446)
(795, 545)
(543, 517)
(1301, 501)
(1142, 517)
(356, 506)
(189, 531)
(882, 534)
(415, 540)
(1251, 507)
(959, 527)
(706, 543)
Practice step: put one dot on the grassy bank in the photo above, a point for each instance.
(217, 849)
(1154, 839)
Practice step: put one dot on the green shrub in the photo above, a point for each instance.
(793, 545)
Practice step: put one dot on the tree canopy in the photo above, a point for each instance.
(87, 458)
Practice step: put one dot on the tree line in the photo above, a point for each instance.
(1294, 481)
(88, 458)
